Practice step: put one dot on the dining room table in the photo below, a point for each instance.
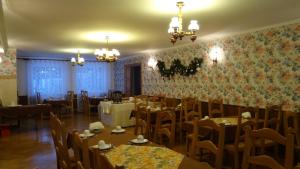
(114, 114)
(146, 155)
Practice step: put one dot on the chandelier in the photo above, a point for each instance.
(77, 61)
(175, 27)
(105, 55)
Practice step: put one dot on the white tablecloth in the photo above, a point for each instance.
(116, 114)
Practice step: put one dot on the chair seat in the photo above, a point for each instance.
(231, 147)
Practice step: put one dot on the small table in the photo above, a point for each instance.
(114, 114)
(21, 113)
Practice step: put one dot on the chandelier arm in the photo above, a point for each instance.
(180, 5)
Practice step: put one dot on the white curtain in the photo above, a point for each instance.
(50, 78)
(93, 77)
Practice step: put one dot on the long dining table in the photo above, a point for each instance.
(122, 140)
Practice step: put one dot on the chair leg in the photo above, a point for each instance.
(236, 160)
(187, 147)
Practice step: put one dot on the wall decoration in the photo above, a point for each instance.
(178, 68)
(258, 68)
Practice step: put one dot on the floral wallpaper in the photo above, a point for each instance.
(8, 64)
(257, 68)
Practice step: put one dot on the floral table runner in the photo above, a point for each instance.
(144, 157)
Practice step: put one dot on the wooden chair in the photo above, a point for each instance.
(59, 135)
(59, 149)
(209, 145)
(291, 123)
(69, 108)
(81, 150)
(239, 141)
(101, 161)
(215, 108)
(165, 126)
(79, 165)
(140, 101)
(142, 121)
(169, 103)
(88, 108)
(272, 120)
(265, 160)
(188, 104)
(190, 116)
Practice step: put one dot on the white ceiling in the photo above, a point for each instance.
(62, 25)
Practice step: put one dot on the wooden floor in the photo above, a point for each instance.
(25, 149)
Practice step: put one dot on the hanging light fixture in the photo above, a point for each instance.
(77, 61)
(175, 27)
(105, 55)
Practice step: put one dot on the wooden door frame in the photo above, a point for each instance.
(127, 84)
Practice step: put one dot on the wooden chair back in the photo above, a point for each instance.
(79, 165)
(69, 98)
(291, 123)
(240, 134)
(59, 137)
(86, 104)
(165, 126)
(142, 121)
(101, 161)
(265, 160)
(59, 149)
(273, 117)
(81, 150)
(209, 145)
(140, 101)
(169, 103)
(188, 104)
(215, 108)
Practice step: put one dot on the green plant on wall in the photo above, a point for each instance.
(178, 68)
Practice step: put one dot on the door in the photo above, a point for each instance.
(133, 81)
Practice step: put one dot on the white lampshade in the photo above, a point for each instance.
(97, 52)
(73, 60)
(81, 60)
(171, 30)
(174, 22)
(115, 52)
(193, 25)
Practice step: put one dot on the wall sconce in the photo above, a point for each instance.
(1, 52)
(152, 63)
(216, 53)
